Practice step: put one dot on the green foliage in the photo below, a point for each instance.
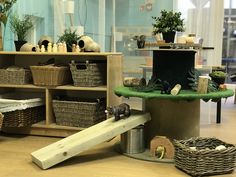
(5, 7)
(20, 26)
(193, 81)
(69, 36)
(217, 74)
(167, 22)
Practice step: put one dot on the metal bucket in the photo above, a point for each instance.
(132, 141)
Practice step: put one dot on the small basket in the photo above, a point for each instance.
(50, 75)
(205, 159)
(15, 76)
(88, 74)
(80, 113)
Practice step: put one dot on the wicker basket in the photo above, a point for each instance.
(79, 113)
(50, 75)
(21, 109)
(15, 76)
(205, 159)
(22, 118)
(88, 74)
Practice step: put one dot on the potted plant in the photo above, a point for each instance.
(218, 77)
(20, 27)
(69, 37)
(140, 41)
(168, 23)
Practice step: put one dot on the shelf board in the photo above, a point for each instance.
(63, 87)
(71, 87)
(44, 130)
(232, 16)
(30, 86)
(55, 126)
(59, 54)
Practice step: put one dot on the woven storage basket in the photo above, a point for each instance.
(15, 76)
(88, 74)
(21, 110)
(22, 118)
(50, 75)
(79, 113)
(205, 160)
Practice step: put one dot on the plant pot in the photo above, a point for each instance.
(141, 44)
(169, 37)
(19, 44)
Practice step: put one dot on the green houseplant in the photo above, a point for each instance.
(218, 77)
(69, 37)
(20, 27)
(168, 23)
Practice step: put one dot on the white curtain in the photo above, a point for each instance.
(205, 19)
(59, 19)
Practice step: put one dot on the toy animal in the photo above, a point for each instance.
(165, 88)
(120, 111)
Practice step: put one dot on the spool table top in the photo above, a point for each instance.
(183, 95)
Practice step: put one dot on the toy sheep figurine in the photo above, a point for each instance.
(122, 110)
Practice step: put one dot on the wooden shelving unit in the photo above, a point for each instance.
(48, 127)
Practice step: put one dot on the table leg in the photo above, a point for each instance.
(218, 112)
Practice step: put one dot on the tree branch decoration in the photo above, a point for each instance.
(5, 6)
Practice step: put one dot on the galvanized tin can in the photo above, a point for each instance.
(132, 141)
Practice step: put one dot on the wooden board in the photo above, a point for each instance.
(79, 142)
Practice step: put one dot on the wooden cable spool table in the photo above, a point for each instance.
(176, 117)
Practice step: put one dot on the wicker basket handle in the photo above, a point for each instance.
(79, 66)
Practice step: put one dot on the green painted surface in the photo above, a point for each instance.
(183, 95)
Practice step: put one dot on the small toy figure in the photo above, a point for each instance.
(122, 110)
(73, 47)
(49, 49)
(42, 48)
(64, 47)
(54, 48)
(60, 47)
(165, 87)
(37, 48)
(77, 49)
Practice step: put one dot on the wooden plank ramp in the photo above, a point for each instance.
(83, 140)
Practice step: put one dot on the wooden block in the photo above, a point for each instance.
(176, 89)
(79, 142)
(202, 84)
(162, 141)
